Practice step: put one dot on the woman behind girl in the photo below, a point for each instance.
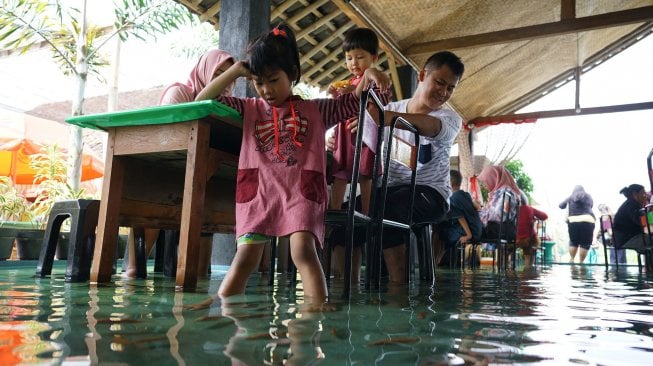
(281, 186)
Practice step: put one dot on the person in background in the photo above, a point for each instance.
(607, 238)
(527, 237)
(463, 224)
(498, 181)
(580, 222)
(211, 64)
(627, 226)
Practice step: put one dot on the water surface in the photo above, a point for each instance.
(555, 315)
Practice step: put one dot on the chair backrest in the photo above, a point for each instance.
(508, 216)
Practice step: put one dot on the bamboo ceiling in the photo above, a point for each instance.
(514, 51)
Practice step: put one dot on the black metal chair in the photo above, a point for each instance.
(505, 239)
(541, 233)
(404, 152)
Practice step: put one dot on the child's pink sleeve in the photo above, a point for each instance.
(236, 103)
(337, 109)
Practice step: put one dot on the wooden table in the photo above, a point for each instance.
(167, 167)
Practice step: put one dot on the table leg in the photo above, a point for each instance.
(107, 230)
(193, 205)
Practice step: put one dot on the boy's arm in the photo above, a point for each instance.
(468, 233)
(370, 75)
(215, 88)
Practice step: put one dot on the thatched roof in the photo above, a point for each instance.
(514, 51)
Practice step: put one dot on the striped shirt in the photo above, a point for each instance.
(432, 171)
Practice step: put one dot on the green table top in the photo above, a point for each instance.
(156, 115)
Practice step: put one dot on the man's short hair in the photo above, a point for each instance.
(446, 58)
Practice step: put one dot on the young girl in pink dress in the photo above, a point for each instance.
(281, 186)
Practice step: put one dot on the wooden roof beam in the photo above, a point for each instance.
(212, 11)
(623, 17)
(317, 25)
(322, 45)
(567, 9)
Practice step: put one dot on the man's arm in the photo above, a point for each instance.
(425, 124)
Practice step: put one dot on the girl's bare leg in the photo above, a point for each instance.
(304, 255)
(247, 258)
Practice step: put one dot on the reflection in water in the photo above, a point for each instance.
(557, 315)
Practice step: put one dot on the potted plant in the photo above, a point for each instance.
(50, 172)
(15, 214)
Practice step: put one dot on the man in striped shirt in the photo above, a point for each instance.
(438, 127)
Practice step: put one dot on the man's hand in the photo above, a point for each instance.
(352, 124)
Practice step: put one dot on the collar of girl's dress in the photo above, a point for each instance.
(295, 124)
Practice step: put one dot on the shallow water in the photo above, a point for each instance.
(554, 315)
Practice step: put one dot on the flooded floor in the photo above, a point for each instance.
(559, 314)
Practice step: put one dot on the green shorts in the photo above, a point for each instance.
(253, 238)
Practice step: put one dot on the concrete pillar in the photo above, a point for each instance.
(224, 249)
(240, 22)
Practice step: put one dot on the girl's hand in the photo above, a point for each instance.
(243, 70)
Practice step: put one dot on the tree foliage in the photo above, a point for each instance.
(25, 24)
(523, 180)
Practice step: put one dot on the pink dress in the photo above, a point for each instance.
(281, 186)
(345, 147)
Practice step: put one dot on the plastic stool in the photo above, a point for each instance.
(83, 216)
